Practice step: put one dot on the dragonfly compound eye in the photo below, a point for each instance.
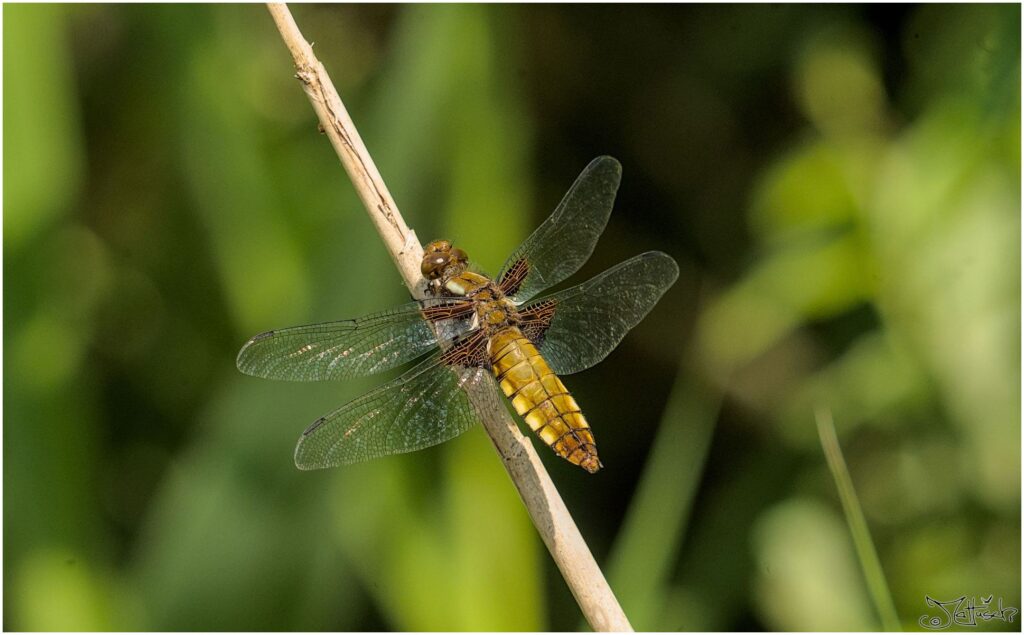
(459, 256)
(433, 265)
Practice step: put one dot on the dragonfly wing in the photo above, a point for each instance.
(578, 327)
(563, 242)
(340, 350)
(427, 405)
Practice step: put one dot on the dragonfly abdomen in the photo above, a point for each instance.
(541, 398)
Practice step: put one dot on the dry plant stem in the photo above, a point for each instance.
(542, 500)
(401, 242)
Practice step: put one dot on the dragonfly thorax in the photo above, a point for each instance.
(448, 276)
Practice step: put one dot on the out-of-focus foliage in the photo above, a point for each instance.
(841, 188)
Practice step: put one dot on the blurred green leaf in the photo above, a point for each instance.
(807, 578)
(43, 148)
(640, 565)
(57, 590)
(252, 242)
(805, 280)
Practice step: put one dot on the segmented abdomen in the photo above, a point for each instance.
(541, 398)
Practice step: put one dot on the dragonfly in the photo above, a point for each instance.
(476, 335)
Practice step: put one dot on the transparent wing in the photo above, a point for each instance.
(425, 406)
(591, 319)
(339, 350)
(563, 242)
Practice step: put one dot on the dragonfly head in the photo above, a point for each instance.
(441, 260)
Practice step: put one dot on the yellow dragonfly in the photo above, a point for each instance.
(475, 330)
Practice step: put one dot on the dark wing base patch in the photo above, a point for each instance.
(513, 278)
(535, 320)
(468, 352)
(448, 311)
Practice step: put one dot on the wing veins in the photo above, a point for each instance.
(591, 319)
(427, 405)
(348, 348)
(565, 240)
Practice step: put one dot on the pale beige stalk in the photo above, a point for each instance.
(538, 492)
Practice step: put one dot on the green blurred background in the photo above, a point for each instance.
(839, 184)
